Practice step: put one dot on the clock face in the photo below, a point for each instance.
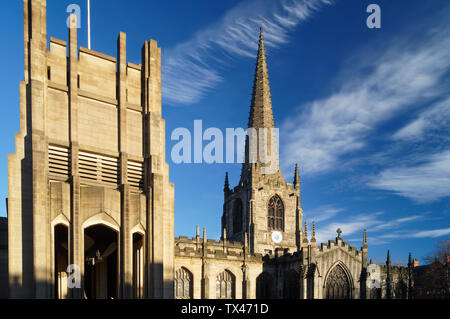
(277, 237)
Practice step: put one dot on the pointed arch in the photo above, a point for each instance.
(275, 213)
(225, 285)
(338, 282)
(102, 219)
(264, 286)
(183, 283)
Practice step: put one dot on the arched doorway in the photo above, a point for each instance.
(292, 285)
(101, 275)
(264, 286)
(138, 266)
(337, 285)
(61, 251)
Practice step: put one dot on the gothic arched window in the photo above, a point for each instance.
(225, 285)
(237, 216)
(275, 220)
(337, 284)
(183, 284)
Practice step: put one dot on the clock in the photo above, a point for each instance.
(277, 237)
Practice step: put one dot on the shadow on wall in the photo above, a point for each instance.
(4, 291)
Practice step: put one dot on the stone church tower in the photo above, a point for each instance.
(263, 206)
(88, 184)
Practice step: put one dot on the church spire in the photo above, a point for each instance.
(260, 121)
(261, 115)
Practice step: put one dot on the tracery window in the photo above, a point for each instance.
(225, 285)
(237, 216)
(275, 220)
(337, 285)
(183, 284)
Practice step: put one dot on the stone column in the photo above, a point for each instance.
(37, 101)
(76, 237)
(126, 251)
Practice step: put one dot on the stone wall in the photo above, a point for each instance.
(90, 151)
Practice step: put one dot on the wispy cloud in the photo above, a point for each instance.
(395, 223)
(322, 213)
(375, 224)
(349, 227)
(425, 182)
(436, 117)
(194, 67)
(379, 88)
(434, 233)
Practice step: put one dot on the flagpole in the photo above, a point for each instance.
(89, 23)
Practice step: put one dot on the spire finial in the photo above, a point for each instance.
(313, 236)
(204, 235)
(198, 231)
(246, 241)
(226, 187)
(296, 177)
(365, 239)
(305, 234)
(388, 259)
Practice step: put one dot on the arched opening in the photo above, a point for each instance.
(183, 284)
(225, 285)
(61, 249)
(337, 285)
(101, 264)
(292, 285)
(275, 219)
(237, 216)
(401, 290)
(138, 266)
(264, 284)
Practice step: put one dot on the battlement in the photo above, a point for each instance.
(217, 249)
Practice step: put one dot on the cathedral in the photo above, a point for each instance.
(91, 207)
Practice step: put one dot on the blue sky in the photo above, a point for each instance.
(365, 112)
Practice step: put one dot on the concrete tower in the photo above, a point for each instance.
(88, 184)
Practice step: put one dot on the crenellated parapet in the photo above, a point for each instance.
(215, 249)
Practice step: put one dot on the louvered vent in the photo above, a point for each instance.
(58, 160)
(98, 168)
(136, 174)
